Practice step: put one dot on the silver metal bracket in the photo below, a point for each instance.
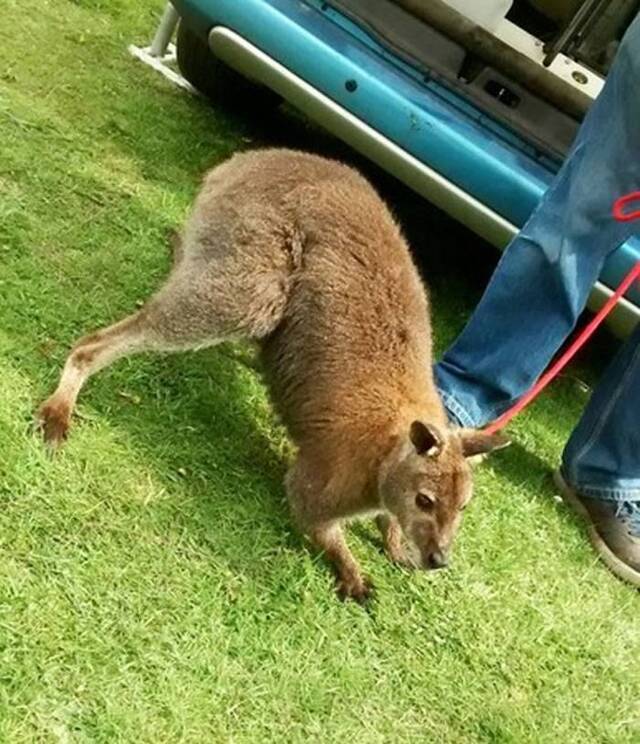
(160, 55)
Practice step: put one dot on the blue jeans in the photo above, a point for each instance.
(542, 284)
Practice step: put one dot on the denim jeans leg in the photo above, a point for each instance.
(544, 278)
(602, 457)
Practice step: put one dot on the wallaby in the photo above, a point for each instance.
(300, 254)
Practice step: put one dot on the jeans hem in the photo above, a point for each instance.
(456, 412)
(602, 493)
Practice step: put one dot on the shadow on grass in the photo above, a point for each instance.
(196, 430)
(515, 461)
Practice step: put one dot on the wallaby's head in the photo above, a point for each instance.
(425, 482)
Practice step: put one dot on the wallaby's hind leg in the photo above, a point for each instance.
(89, 355)
(213, 294)
(183, 315)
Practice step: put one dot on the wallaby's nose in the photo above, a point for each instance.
(437, 559)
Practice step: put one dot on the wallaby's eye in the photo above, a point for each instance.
(425, 501)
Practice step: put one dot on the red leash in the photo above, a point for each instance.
(621, 214)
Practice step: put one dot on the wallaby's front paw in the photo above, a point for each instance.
(357, 588)
(399, 556)
(396, 552)
(53, 420)
(393, 542)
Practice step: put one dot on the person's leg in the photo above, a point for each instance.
(543, 280)
(602, 457)
(600, 473)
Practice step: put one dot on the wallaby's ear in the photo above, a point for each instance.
(479, 443)
(426, 439)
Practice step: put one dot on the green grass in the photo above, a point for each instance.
(151, 588)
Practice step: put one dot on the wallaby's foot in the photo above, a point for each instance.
(90, 354)
(350, 582)
(53, 420)
(392, 540)
(356, 587)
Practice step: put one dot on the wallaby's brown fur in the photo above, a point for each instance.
(300, 254)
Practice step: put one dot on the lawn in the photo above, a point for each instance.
(151, 587)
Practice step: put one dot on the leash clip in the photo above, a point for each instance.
(619, 207)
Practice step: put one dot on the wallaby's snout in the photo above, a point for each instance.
(436, 559)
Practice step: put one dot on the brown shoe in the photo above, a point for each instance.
(614, 529)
